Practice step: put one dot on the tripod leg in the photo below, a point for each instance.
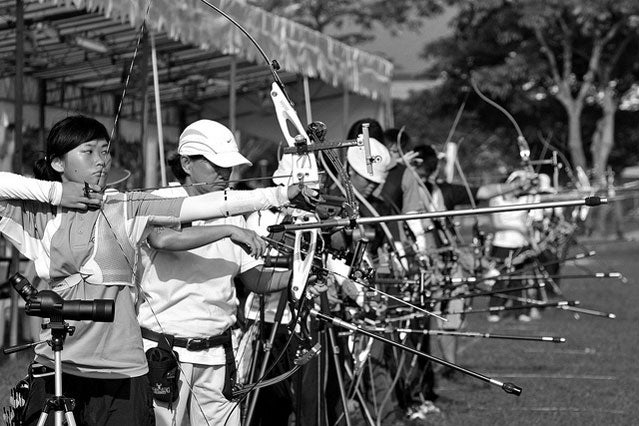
(43, 418)
(62, 409)
(70, 419)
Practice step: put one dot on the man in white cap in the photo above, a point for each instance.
(362, 180)
(190, 301)
(365, 183)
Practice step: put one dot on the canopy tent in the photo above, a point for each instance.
(78, 53)
(75, 56)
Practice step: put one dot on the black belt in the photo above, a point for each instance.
(190, 343)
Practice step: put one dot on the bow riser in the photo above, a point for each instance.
(302, 261)
(303, 167)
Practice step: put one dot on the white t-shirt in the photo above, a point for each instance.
(191, 293)
(510, 227)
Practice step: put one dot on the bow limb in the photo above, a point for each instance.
(524, 148)
(247, 388)
(449, 138)
(129, 73)
(300, 167)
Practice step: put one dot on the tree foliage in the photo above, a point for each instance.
(550, 62)
(354, 19)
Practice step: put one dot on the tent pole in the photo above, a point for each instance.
(345, 108)
(149, 147)
(390, 117)
(233, 95)
(307, 101)
(42, 110)
(17, 155)
(158, 109)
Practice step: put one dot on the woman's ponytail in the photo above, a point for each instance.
(43, 170)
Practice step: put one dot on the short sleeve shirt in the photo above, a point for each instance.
(191, 293)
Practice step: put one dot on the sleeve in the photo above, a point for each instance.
(19, 187)
(158, 210)
(141, 211)
(20, 222)
(230, 203)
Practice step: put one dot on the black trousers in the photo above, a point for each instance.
(501, 254)
(98, 402)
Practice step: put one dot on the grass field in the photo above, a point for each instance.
(592, 379)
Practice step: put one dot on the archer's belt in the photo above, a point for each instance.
(190, 343)
(200, 344)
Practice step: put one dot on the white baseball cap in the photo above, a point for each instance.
(357, 160)
(213, 141)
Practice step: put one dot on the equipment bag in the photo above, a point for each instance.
(164, 372)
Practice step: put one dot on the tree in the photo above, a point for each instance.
(362, 14)
(597, 33)
(578, 52)
(616, 77)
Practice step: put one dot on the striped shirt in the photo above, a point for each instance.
(91, 255)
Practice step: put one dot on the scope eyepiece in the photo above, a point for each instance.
(22, 286)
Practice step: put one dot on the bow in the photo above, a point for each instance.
(522, 143)
(301, 166)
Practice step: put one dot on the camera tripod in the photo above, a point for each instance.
(60, 405)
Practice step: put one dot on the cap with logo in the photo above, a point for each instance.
(213, 141)
(357, 160)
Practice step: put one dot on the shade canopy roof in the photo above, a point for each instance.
(83, 50)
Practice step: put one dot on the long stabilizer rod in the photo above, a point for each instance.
(507, 387)
(331, 223)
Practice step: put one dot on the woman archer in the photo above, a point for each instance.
(90, 254)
